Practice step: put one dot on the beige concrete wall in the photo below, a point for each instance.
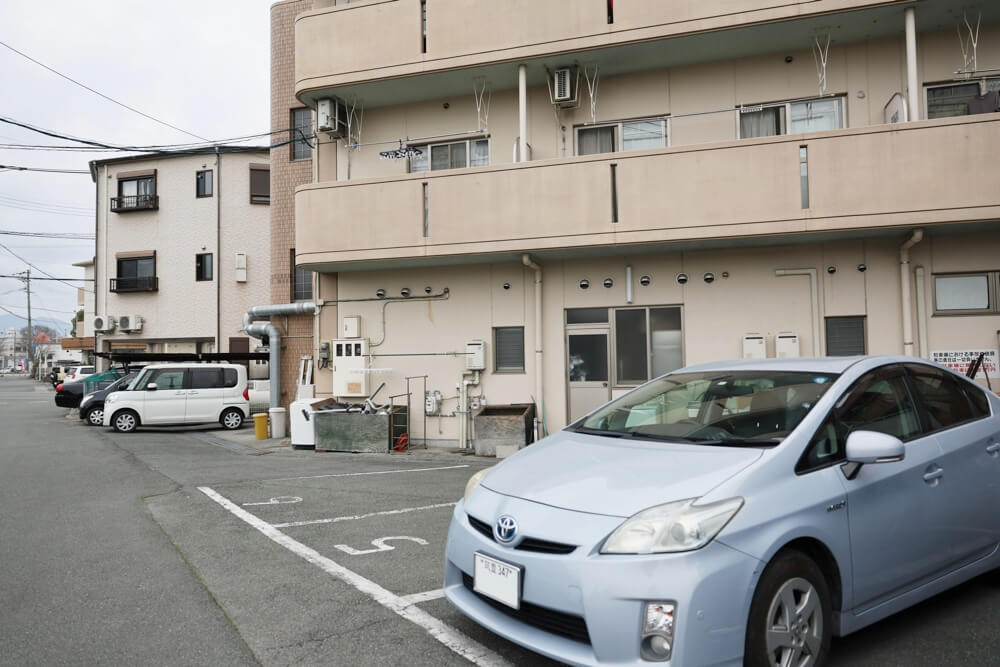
(334, 41)
(866, 178)
(422, 337)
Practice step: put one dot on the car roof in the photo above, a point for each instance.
(836, 365)
(190, 364)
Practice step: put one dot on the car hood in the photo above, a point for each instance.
(614, 476)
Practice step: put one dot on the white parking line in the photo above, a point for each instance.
(468, 648)
(337, 519)
(359, 474)
(426, 596)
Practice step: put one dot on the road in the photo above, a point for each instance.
(190, 549)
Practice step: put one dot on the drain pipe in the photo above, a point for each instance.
(904, 286)
(814, 295)
(921, 312)
(463, 406)
(539, 384)
(260, 329)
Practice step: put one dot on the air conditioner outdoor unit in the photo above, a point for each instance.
(331, 116)
(130, 323)
(562, 85)
(104, 323)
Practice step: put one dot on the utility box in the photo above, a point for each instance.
(350, 366)
(754, 346)
(241, 267)
(786, 345)
(475, 355)
(351, 327)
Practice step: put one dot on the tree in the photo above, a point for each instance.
(78, 318)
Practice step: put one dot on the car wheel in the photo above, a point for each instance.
(790, 616)
(95, 416)
(231, 419)
(125, 421)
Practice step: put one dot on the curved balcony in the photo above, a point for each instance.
(861, 179)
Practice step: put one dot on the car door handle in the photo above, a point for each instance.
(933, 474)
(993, 449)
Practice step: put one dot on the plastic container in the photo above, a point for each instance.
(260, 425)
(277, 422)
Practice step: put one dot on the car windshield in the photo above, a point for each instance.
(733, 408)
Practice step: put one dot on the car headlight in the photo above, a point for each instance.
(474, 481)
(676, 526)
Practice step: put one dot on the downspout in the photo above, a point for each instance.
(260, 329)
(921, 312)
(539, 384)
(814, 295)
(912, 99)
(904, 287)
(522, 113)
(217, 263)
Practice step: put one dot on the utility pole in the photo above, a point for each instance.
(31, 338)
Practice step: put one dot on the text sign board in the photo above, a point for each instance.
(960, 360)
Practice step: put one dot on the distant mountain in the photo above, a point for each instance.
(7, 321)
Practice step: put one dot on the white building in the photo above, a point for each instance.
(181, 250)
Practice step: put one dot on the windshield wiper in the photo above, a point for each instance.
(661, 438)
(596, 431)
(740, 442)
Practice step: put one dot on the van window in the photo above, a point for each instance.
(168, 378)
(206, 378)
(230, 377)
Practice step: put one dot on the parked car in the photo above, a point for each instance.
(57, 374)
(92, 404)
(734, 512)
(75, 373)
(69, 394)
(192, 393)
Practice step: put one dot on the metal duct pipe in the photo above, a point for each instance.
(904, 287)
(261, 329)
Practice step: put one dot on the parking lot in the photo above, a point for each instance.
(314, 558)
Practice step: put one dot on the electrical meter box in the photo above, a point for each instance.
(475, 355)
(786, 345)
(754, 346)
(351, 327)
(350, 365)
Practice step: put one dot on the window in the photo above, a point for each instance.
(768, 120)
(508, 349)
(136, 191)
(203, 183)
(845, 336)
(965, 294)
(260, 184)
(212, 378)
(454, 155)
(963, 99)
(167, 378)
(135, 274)
(625, 135)
(301, 282)
(945, 402)
(203, 266)
(647, 343)
(302, 134)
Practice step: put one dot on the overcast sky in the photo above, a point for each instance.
(201, 66)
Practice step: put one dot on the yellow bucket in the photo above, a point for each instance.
(260, 425)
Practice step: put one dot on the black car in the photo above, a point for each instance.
(92, 407)
(69, 394)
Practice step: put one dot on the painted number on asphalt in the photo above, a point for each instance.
(380, 545)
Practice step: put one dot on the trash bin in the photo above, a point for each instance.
(260, 425)
(277, 422)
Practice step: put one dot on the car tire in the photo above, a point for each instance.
(791, 619)
(94, 416)
(231, 419)
(125, 421)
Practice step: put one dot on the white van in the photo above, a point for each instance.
(190, 393)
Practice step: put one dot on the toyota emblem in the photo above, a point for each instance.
(505, 529)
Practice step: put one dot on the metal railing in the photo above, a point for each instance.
(135, 203)
(142, 284)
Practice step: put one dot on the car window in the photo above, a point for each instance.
(980, 404)
(206, 378)
(944, 401)
(168, 378)
(880, 402)
(230, 377)
(826, 447)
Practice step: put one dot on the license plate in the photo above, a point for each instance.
(498, 580)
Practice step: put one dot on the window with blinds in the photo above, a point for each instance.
(508, 349)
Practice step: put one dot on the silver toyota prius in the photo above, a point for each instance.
(734, 513)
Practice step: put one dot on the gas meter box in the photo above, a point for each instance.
(350, 366)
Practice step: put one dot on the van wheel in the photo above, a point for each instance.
(790, 616)
(94, 416)
(231, 419)
(125, 421)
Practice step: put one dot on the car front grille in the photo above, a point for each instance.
(528, 543)
(559, 623)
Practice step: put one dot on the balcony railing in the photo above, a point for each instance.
(143, 284)
(135, 203)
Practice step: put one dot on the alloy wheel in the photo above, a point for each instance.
(794, 634)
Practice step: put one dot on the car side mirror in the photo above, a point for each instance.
(871, 447)
(151, 386)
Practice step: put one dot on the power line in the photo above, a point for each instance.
(21, 277)
(42, 270)
(39, 202)
(49, 235)
(110, 99)
(12, 167)
(49, 310)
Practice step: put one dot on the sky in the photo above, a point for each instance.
(202, 67)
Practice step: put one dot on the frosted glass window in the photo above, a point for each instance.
(816, 116)
(962, 292)
(640, 134)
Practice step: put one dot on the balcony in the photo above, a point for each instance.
(869, 178)
(142, 284)
(464, 40)
(129, 203)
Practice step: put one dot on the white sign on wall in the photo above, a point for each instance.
(960, 360)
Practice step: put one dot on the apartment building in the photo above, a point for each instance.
(181, 251)
(601, 192)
